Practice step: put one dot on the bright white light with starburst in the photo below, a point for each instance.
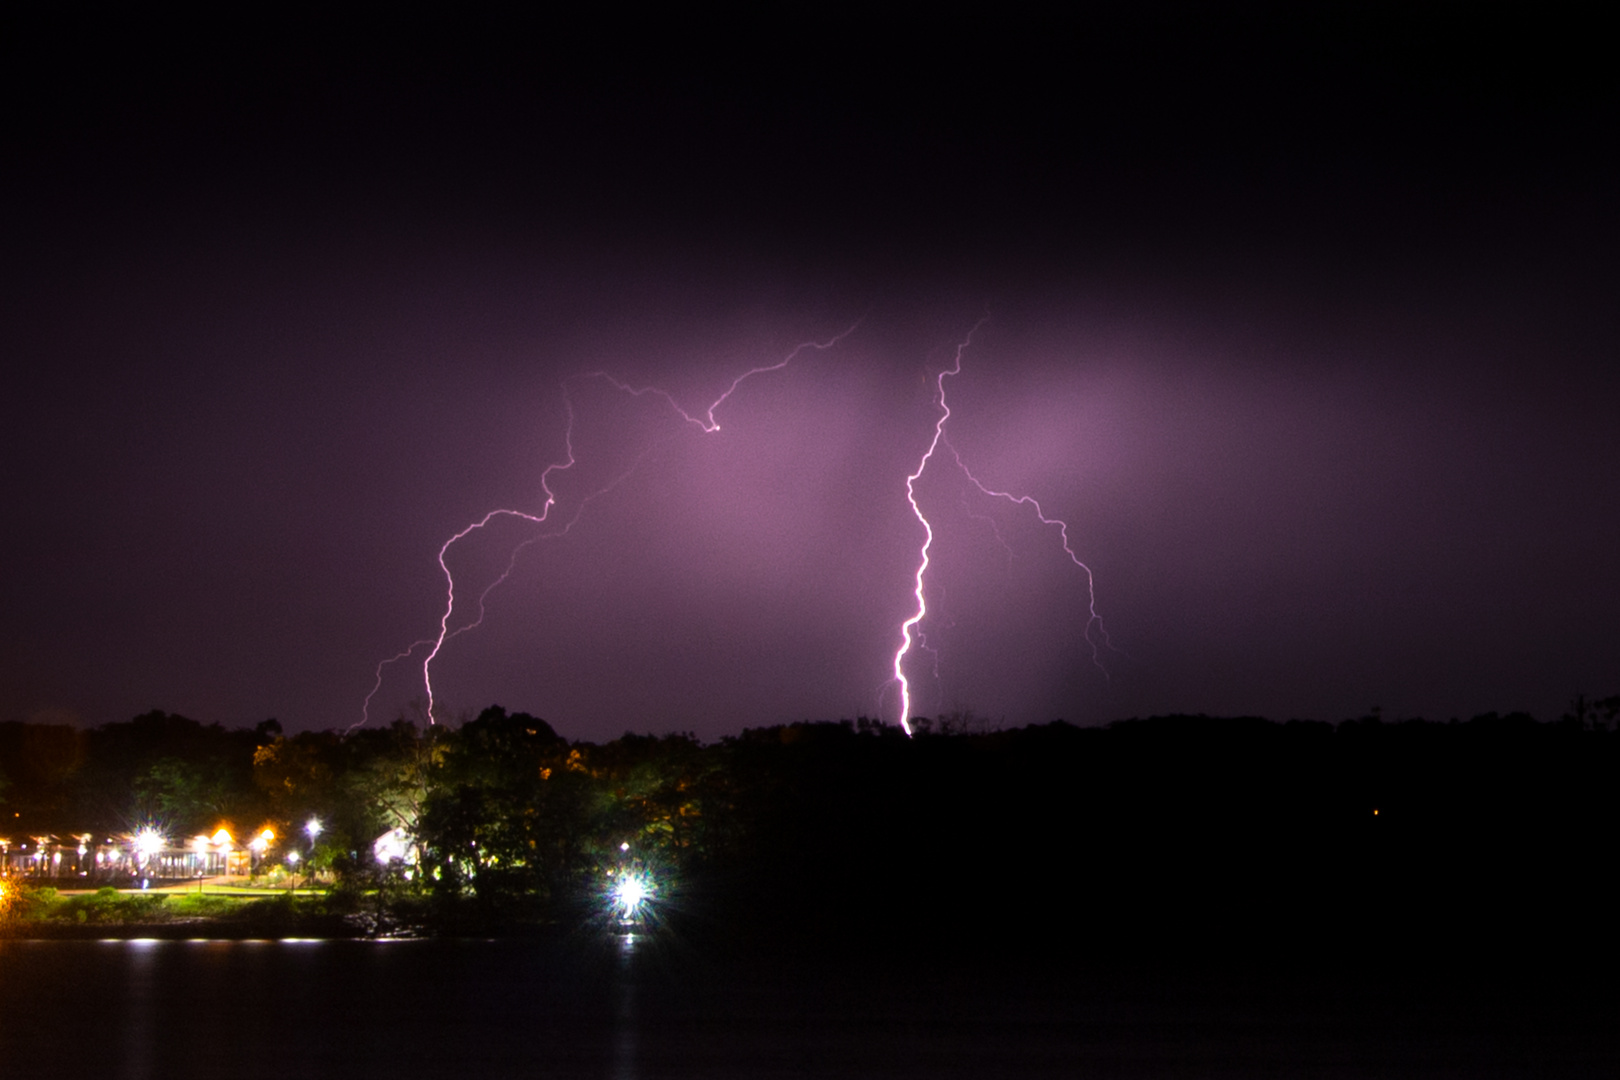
(148, 842)
(630, 895)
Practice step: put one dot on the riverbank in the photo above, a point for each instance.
(245, 912)
(222, 912)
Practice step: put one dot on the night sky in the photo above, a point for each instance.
(1306, 325)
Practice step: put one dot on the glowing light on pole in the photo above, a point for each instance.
(629, 894)
(314, 828)
(148, 844)
(706, 422)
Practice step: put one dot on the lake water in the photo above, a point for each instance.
(634, 1008)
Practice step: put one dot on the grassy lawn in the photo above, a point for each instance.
(108, 906)
(209, 887)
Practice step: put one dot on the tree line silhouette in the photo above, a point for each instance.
(1167, 833)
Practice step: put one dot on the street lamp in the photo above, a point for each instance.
(148, 843)
(314, 827)
(292, 868)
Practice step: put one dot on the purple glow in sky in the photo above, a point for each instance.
(705, 423)
(1304, 327)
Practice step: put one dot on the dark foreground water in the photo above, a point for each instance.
(641, 1008)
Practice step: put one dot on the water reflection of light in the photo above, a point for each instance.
(140, 1027)
(625, 1020)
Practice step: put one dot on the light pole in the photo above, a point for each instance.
(313, 826)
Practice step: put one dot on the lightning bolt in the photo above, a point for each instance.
(928, 532)
(365, 706)
(450, 578)
(913, 623)
(705, 421)
(1093, 620)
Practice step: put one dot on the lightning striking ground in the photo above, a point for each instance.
(916, 617)
(914, 622)
(911, 629)
(706, 422)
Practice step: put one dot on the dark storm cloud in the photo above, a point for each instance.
(1305, 327)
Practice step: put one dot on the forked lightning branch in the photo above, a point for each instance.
(459, 616)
